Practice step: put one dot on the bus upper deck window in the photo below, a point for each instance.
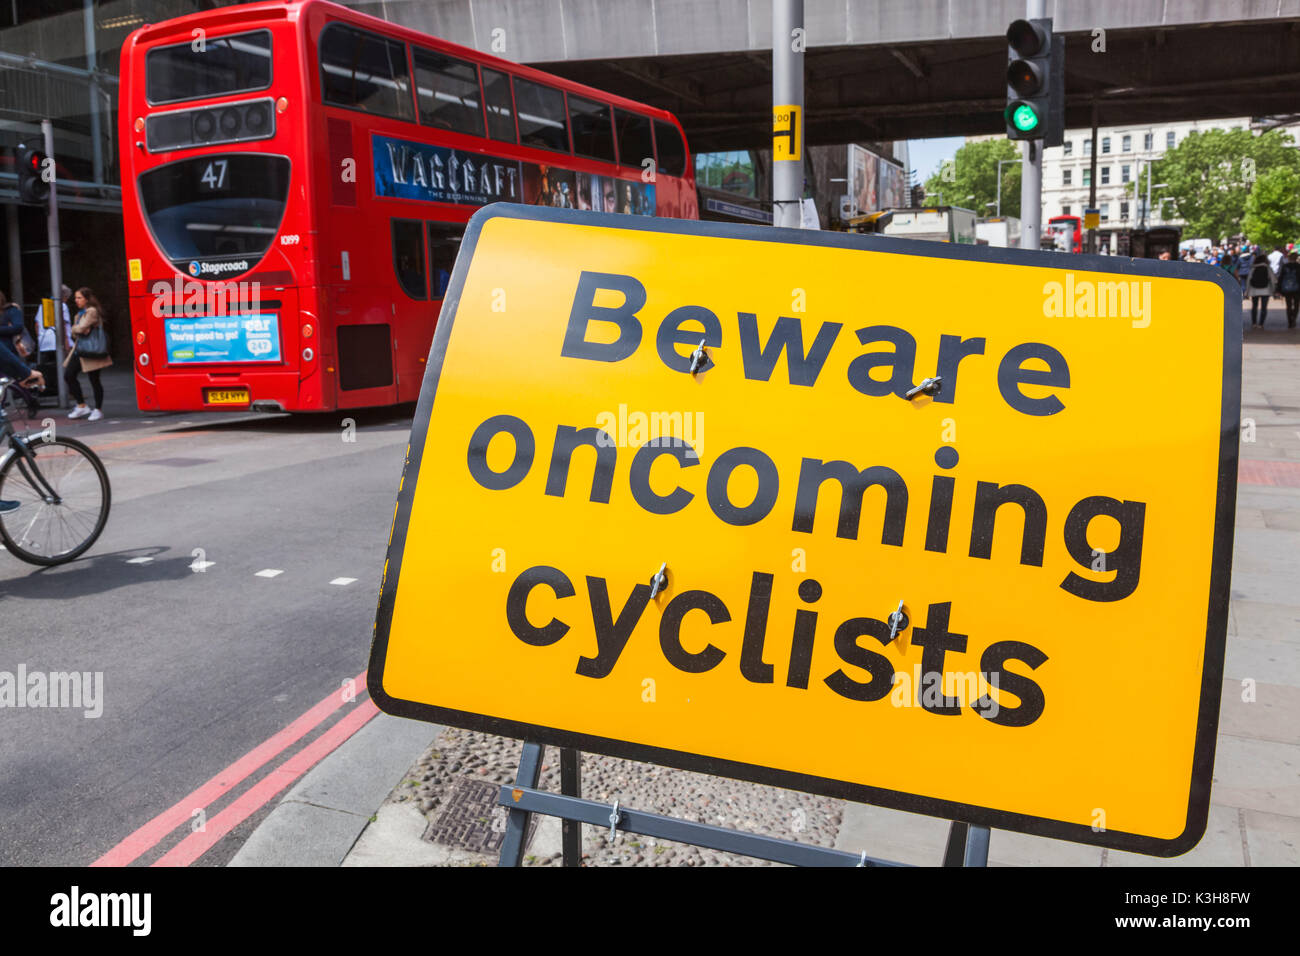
(672, 151)
(634, 143)
(541, 116)
(500, 107)
(224, 65)
(363, 71)
(447, 92)
(593, 134)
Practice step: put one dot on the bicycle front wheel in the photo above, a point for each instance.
(47, 528)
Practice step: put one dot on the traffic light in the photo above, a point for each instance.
(1035, 82)
(33, 187)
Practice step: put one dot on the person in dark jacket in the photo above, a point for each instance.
(1288, 283)
(1244, 262)
(11, 323)
(1261, 284)
(11, 366)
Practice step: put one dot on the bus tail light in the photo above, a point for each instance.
(308, 355)
(282, 104)
(139, 337)
(307, 331)
(144, 358)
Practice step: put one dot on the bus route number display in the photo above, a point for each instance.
(937, 528)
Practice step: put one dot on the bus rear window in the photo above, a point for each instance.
(216, 207)
(217, 67)
(541, 116)
(364, 71)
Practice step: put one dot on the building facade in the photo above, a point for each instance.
(1124, 157)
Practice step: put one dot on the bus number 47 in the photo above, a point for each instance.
(214, 177)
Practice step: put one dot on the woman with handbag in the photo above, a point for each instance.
(89, 355)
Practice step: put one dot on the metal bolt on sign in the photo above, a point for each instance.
(660, 581)
(613, 822)
(698, 358)
(898, 621)
(930, 386)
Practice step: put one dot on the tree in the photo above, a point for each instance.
(974, 171)
(1273, 208)
(1211, 173)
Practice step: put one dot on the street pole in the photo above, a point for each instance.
(787, 112)
(1092, 177)
(1146, 211)
(56, 262)
(1031, 173)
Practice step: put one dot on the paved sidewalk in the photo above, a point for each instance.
(357, 806)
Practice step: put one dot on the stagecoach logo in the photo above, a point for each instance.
(407, 170)
(197, 268)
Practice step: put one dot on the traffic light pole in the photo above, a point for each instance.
(56, 262)
(787, 112)
(1031, 172)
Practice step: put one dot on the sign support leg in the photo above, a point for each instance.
(530, 770)
(571, 786)
(967, 845)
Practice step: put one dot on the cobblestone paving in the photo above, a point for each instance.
(438, 784)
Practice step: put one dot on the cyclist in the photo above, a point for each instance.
(11, 366)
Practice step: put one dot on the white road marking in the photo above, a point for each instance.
(138, 560)
(201, 565)
(344, 582)
(269, 573)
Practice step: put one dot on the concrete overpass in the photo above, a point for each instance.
(892, 69)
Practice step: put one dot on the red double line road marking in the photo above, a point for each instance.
(149, 835)
(249, 802)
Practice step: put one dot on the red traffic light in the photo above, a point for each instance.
(33, 187)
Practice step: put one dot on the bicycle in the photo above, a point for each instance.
(62, 489)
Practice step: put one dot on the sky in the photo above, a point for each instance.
(925, 155)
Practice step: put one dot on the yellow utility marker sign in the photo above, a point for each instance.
(787, 133)
(939, 528)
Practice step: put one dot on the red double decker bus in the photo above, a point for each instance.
(296, 180)
(1064, 234)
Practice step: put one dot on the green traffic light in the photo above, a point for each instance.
(1024, 118)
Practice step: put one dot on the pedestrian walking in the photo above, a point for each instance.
(1288, 283)
(1261, 284)
(45, 328)
(1229, 262)
(1244, 262)
(89, 355)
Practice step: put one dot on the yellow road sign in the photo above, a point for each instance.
(1054, 516)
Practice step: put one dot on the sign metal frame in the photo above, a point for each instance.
(961, 813)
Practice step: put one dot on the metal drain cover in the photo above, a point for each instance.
(471, 819)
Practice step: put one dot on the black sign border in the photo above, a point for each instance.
(1220, 570)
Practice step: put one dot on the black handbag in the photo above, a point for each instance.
(94, 344)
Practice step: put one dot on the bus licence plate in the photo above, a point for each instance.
(225, 396)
